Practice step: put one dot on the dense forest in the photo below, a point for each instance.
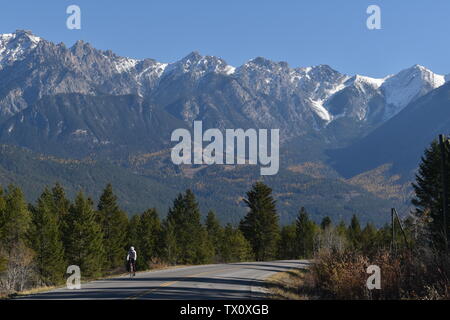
(155, 181)
(39, 241)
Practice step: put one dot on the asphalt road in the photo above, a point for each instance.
(218, 281)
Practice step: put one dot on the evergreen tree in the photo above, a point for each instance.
(305, 229)
(192, 241)
(428, 189)
(215, 231)
(206, 251)
(384, 236)
(15, 218)
(234, 247)
(287, 248)
(260, 225)
(369, 239)
(85, 247)
(2, 208)
(149, 230)
(354, 233)
(169, 240)
(326, 222)
(113, 222)
(341, 230)
(4, 217)
(132, 233)
(3, 262)
(3, 257)
(61, 208)
(46, 241)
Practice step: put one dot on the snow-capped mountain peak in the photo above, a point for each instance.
(374, 82)
(199, 65)
(408, 85)
(317, 93)
(15, 46)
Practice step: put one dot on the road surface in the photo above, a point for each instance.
(218, 281)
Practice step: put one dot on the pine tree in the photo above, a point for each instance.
(3, 256)
(234, 247)
(149, 230)
(287, 248)
(341, 233)
(341, 229)
(428, 189)
(215, 231)
(3, 220)
(2, 208)
(206, 251)
(61, 209)
(354, 233)
(46, 241)
(132, 233)
(384, 236)
(305, 229)
(260, 225)
(15, 218)
(369, 239)
(3, 262)
(192, 242)
(113, 222)
(85, 248)
(169, 240)
(326, 222)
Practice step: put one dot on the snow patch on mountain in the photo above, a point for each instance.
(154, 69)
(374, 82)
(229, 70)
(333, 90)
(125, 64)
(320, 110)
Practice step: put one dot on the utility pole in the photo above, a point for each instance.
(393, 230)
(401, 227)
(442, 141)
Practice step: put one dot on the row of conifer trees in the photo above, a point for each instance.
(42, 239)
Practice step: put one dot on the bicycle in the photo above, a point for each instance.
(131, 267)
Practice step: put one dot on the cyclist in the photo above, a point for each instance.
(131, 258)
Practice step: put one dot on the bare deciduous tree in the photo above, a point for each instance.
(19, 269)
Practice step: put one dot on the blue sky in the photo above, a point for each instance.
(301, 32)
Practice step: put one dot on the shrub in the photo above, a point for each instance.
(342, 275)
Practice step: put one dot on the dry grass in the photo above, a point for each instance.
(31, 291)
(294, 284)
(343, 276)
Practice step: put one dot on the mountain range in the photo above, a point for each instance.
(352, 131)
